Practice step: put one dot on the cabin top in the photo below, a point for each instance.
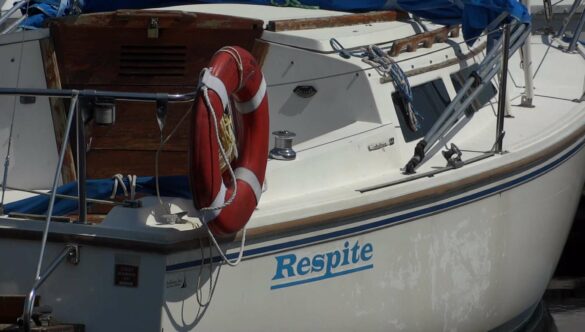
(313, 29)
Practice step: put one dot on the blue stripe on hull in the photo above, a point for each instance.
(393, 220)
(323, 277)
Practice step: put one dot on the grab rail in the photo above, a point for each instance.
(70, 251)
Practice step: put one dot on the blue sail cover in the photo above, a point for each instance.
(170, 186)
(474, 15)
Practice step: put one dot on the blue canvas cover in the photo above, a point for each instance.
(170, 186)
(474, 15)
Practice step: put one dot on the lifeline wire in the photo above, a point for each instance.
(199, 291)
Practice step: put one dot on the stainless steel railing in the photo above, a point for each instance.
(17, 6)
(71, 252)
(488, 68)
(162, 100)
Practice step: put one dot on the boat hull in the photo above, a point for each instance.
(470, 262)
(474, 262)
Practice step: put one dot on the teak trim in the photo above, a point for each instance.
(447, 63)
(330, 219)
(425, 39)
(418, 198)
(335, 21)
(58, 109)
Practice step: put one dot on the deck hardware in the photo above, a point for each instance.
(453, 156)
(567, 18)
(28, 100)
(503, 90)
(133, 204)
(305, 91)
(104, 112)
(381, 145)
(526, 62)
(577, 33)
(42, 315)
(162, 104)
(174, 218)
(153, 28)
(283, 141)
(71, 253)
(428, 174)
(489, 67)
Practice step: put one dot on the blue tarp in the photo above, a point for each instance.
(474, 15)
(170, 186)
(40, 10)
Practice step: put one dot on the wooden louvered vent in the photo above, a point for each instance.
(153, 60)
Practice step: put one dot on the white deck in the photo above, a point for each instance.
(353, 111)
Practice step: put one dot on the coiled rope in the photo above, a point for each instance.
(388, 68)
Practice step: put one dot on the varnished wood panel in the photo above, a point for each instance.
(140, 163)
(114, 48)
(113, 51)
(58, 110)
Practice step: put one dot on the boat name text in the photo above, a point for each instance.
(293, 269)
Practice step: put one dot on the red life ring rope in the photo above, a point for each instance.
(233, 74)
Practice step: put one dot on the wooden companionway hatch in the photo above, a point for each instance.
(138, 51)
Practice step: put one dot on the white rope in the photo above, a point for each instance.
(234, 192)
(199, 291)
(222, 253)
(222, 152)
(118, 180)
(387, 67)
(238, 59)
(132, 184)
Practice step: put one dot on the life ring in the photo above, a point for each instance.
(233, 75)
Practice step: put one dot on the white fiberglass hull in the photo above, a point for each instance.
(472, 267)
(470, 262)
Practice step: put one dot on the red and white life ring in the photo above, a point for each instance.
(233, 74)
